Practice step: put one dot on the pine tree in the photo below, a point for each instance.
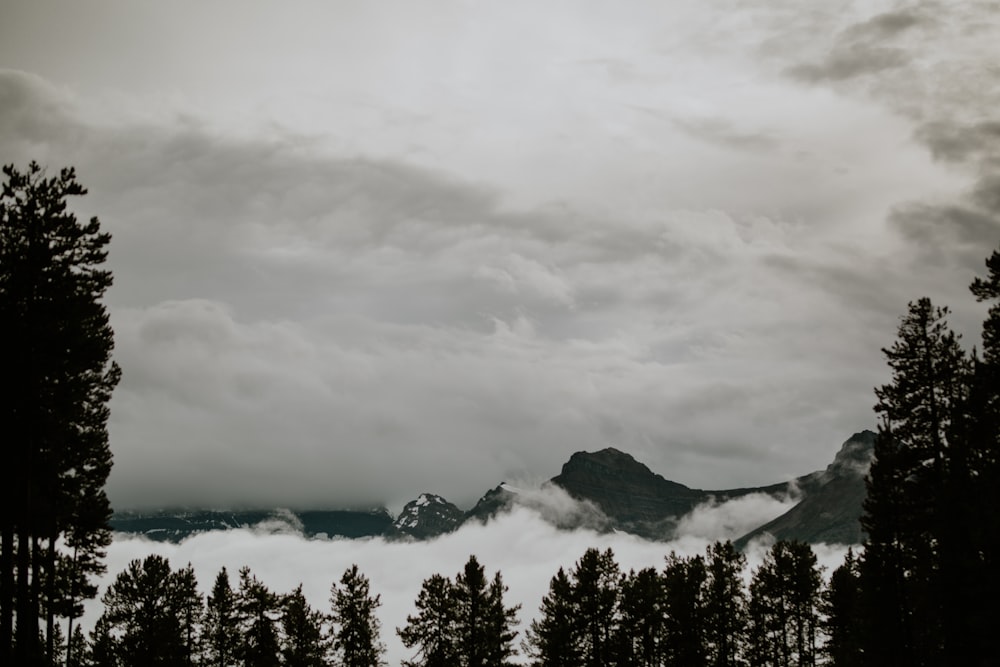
(356, 634)
(57, 381)
(500, 622)
(978, 562)
(596, 586)
(77, 649)
(684, 582)
(189, 607)
(302, 636)
(141, 624)
(842, 607)
(641, 632)
(725, 605)
(552, 638)
(221, 625)
(470, 595)
(433, 629)
(911, 545)
(784, 607)
(258, 610)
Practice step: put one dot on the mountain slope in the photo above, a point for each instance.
(830, 511)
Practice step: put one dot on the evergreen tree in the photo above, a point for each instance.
(221, 626)
(684, 581)
(842, 607)
(552, 638)
(978, 562)
(725, 605)
(141, 624)
(258, 610)
(302, 637)
(102, 650)
(784, 607)
(57, 381)
(190, 610)
(596, 581)
(470, 595)
(77, 649)
(910, 552)
(500, 623)
(433, 629)
(356, 634)
(641, 630)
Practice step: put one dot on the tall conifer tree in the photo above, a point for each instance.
(57, 381)
(356, 628)
(221, 628)
(552, 639)
(911, 543)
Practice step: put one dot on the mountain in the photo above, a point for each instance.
(831, 507)
(426, 517)
(639, 501)
(495, 501)
(175, 525)
(613, 492)
(636, 499)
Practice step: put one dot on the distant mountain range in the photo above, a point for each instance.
(615, 492)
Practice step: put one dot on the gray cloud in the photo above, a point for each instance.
(959, 143)
(310, 310)
(850, 61)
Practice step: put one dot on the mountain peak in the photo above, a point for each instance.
(645, 503)
(429, 515)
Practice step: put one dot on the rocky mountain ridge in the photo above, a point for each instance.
(615, 491)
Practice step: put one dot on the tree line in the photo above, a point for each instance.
(696, 610)
(918, 592)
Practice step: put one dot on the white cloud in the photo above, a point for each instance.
(734, 518)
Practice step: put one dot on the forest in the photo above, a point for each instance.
(917, 592)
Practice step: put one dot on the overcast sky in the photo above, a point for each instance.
(364, 250)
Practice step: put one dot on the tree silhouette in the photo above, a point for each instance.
(57, 381)
(221, 624)
(784, 607)
(144, 612)
(356, 639)
(258, 610)
(910, 547)
(596, 580)
(725, 605)
(302, 637)
(432, 629)
(552, 639)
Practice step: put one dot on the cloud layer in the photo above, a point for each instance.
(523, 547)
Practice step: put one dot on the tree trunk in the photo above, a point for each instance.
(26, 645)
(7, 593)
(50, 594)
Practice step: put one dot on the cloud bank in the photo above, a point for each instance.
(521, 545)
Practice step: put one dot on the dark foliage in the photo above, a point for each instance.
(56, 383)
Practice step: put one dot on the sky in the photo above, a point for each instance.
(365, 250)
